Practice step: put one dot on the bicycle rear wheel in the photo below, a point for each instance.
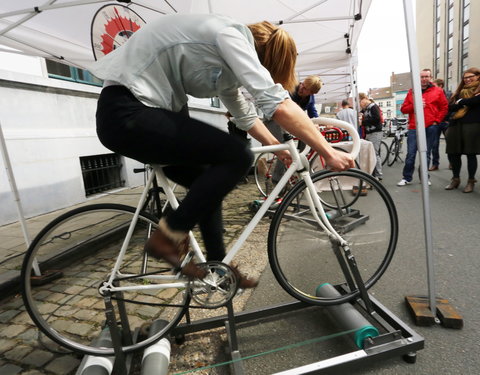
(84, 244)
(383, 152)
(393, 152)
(303, 256)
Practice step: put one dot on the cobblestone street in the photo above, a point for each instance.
(24, 351)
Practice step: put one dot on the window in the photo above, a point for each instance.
(436, 67)
(389, 103)
(69, 73)
(465, 22)
(449, 62)
(101, 173)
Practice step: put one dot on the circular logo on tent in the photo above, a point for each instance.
(112, 26)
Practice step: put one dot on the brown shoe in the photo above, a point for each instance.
(470, 185)
(160, 246)
(433, 168)
(243, 281)
(453, 184)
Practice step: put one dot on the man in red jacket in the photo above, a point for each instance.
(435, 108)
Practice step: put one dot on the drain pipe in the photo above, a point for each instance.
(94, 365)
(347, 316)
(156, 357)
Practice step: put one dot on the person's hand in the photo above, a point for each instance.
(339, 161)
(285, 157)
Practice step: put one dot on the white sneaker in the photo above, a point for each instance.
(403, 182)
(429, 182)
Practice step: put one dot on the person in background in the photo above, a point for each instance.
(304, 93)
(372, 125)
(347, 114)
(441, 128)
(463, 134)
(435, 108)
(139, 115)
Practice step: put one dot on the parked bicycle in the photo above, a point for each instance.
(347, 242)
(396, 147)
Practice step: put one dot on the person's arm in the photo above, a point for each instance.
(407, 106)
(470, 102)
(294, 120)
(311, 110)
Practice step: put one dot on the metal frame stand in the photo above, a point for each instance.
(398, 339)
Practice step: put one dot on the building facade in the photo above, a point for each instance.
(47, 115)
(448, 37)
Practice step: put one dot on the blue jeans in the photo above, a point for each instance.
(440, 128)
(409, 167)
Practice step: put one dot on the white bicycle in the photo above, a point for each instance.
(321, 233)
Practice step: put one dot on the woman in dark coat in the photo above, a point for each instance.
(463, 134)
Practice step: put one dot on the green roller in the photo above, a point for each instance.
(347, 316)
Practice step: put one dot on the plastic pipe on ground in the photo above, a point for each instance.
(156, 357)
(95, 365)
(347, 316)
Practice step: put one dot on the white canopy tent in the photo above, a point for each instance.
(326, 33)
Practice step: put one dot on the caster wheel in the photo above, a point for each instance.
(180, 339)
(410, 357)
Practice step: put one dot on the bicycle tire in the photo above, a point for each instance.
(301, 254)
(393, 151)
(316, 165)
(267, 172)
(313, 169)
(83, 244)
(384, 152)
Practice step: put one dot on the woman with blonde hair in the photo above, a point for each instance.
(142, 114)
(463, 133)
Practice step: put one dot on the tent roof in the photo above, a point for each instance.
(326, 31)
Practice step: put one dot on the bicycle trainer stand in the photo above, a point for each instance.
(378, 333)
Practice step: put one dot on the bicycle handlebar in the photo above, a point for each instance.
(344, 125)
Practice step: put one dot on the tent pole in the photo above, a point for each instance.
(13, 187)
(422, 148)
(353, 80)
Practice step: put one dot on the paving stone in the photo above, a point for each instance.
(13, 330)
(22, 318)
(38, 358)
(80, 329)
(6, 345)
(18, 352)
(10, 369)
(63, 365)
(6, 316)
(30, 335)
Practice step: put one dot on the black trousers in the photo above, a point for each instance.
(206, 160)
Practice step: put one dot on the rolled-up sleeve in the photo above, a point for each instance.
(243, 110)
(241, 58)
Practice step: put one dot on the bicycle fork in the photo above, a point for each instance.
(351, 271)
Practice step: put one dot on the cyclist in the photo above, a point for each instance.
(141, 114)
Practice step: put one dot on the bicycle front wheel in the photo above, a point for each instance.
(84, 244)
(303, 256)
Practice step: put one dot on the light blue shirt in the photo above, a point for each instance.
(200, 55)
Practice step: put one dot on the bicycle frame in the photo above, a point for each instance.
(299, 164)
